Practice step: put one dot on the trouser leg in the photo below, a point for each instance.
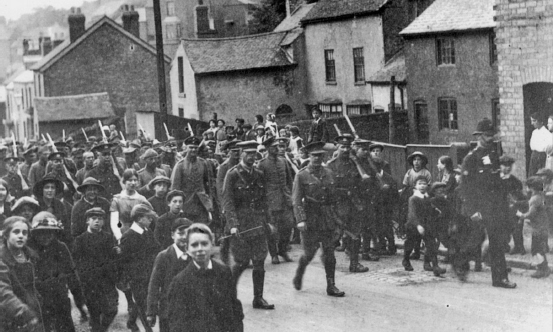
(497, 256)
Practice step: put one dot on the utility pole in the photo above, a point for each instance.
(160, 68)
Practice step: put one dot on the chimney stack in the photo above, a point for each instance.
(76, 24)
(46, 45)
(130, 21)
(25, 46)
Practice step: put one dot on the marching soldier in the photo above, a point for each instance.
(191, 176)
(14, 178)
(245, 206)
(485, 198)
(104, 172)
(278, 179)
(313, 199)
(349, 192)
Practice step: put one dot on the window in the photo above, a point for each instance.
(378, 109)
(493, 49)
(171, 31)
(170, 8)
(330, 66)
(358, 109)
(181, 74)
(496, 113)
(331, 110)
(181, 112)
(445, 51)
(359, 65)
(447, 113)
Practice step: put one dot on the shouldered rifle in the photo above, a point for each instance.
(190, 129)
(24, 184)
(84, 133)
(66, 172)
(113, 163)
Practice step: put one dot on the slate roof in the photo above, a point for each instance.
(78, 107)
(65, 47)
(453, 15)
(394, 67)
(293, 21)
(238, 53)
(340, 9)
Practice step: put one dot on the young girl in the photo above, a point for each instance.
(538, 219)
(296, 142)
(446, 174)
(26, 207)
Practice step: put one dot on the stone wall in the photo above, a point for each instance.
(524, 38)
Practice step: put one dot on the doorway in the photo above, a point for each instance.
(537, 97)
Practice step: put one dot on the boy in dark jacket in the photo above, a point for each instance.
(94, 253)
(139, 249)
(168, 264)
(421, 223)
(174, 203)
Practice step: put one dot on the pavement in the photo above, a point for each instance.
(388, 298)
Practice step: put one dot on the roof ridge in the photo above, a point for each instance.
(75, 96)
(235, 38)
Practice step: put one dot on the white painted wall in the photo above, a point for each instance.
(189, 100)
(381, 96)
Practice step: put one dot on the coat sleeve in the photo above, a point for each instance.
(12, 308)
(78, 226)
(297, 200)
(228, 199)
(156, 282)
(73, 280)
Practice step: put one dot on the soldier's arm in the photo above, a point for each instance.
(297, 200)
(176, 177)
(228, 200)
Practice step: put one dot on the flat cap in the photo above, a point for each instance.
(96, 211)
(180, 223)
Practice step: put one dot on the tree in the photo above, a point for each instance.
(267, 16)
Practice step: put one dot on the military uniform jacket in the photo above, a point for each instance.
(348, 186)
(192, 177)
(313, 198)
(221, 173)
(481, 186)
(245, 199)
(16, 188)
(107, 178)
(279, 182)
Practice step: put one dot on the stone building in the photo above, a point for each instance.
(524, 38)
(451, 63)
(103, 58)
(21, 115)
(237, 77)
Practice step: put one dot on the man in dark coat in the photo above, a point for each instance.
(167, 265)
(245, 206)
(203, 296)
(104, 172)
(314, 200)
(90, 189)
(485, 198)
(318, 132)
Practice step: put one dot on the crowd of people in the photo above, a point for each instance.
(143, 217)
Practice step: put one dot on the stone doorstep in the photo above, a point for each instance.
(513, 262)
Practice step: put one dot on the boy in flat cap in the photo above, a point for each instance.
(513, 187)
(159, 186)
(162, 232)
(95, 253)
(90, 191)
(167, 265)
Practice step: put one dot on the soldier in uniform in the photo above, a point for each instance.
(131, 154)
(354, 203)
(149, 172)
(278, 179)
(485, 198)
(38, 169)
(104, 172)
(56, 161)
(30, 158)
(17, 183)
(245, 206)
(191, 176)
(313, 199)
(233, 160)
(88, 158)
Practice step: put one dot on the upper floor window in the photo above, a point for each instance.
(493, 49)
(445, 51)
(330, 66)
(331, 110)
(496, 114)
(180, 66)
(172, 31)
(447, 113)
(359, 65)
(170, 8)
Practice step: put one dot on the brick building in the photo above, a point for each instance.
(237, 77)
(451, 64)
(347, 42)
(524, 37)
(103, 58)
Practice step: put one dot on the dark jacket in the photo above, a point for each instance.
(318, 131)
(19, 299)
(138, 253)
(78, 220)
(422, 213)
(166, 267)
(95, 256)
(162, 232)
(204, 300)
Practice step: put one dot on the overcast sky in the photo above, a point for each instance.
(13, 9)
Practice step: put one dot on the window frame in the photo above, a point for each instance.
(180, 73)
(330, 66)
(493, 49)
(496, 113)
(333, 110)
(445, 54)
(358, 65)
(170, 8)
(181, 112)
(364, 109)
(448, 123)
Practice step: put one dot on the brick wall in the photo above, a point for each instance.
(524, 37)
(108, 61)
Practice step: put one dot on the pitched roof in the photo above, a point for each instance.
(65, 47)
(340, 9)
(238, 53)
(453, 15)
(394, 67)
(78, 107)
(293, 21)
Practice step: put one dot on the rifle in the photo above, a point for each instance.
(85, 136)
(190, 129)
(67, 174)
(24, 184)
(337, 130)
(166, 131)
(115, 169)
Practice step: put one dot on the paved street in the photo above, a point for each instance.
(389, 299)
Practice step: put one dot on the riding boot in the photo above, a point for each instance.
(299, 273)
(354, 265)
(258, 300)
(331, 289)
